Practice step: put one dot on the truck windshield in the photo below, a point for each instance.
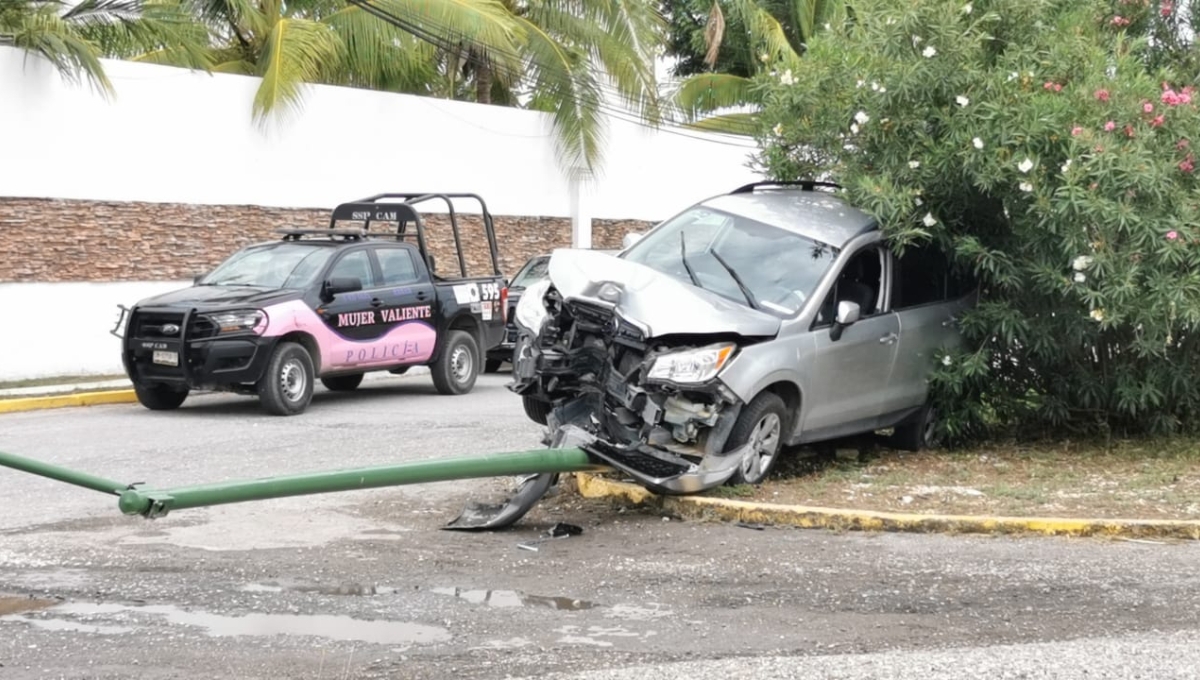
(274, 265)
(747, 261)
(533, 271)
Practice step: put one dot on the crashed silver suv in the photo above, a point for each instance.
(771, 316)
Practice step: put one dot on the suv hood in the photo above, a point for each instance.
(660, 303)
(220, 296)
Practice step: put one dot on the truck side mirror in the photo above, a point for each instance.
(340, 284)
(198, 277)
(847, 313)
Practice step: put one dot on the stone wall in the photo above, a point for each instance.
(52, 240)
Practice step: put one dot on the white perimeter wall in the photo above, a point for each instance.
(171, 135)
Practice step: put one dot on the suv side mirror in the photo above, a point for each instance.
(847, 313)
(341, 284)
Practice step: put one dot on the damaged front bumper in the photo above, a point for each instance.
(589, 365)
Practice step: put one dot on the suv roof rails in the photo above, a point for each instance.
(806, 184)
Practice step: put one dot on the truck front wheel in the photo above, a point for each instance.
(160, 397)
(287, 385)
(456, 369)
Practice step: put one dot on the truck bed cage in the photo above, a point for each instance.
(384, 208)
(293, 234)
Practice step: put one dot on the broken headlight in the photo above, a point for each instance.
(531, 310)
(691, 366)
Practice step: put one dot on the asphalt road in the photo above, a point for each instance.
(367, 585)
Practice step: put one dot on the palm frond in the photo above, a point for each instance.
(766, 34)
(159, 31)
(743, 124)
(296, 52)
(45, 33)
(379, 55)
(707, 92)
(809, 15)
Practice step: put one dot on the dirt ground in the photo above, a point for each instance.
(1128, 480)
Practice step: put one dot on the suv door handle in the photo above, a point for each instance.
(376, 302)
(888, 339)
(421, 295)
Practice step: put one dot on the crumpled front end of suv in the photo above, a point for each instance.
(627, 363)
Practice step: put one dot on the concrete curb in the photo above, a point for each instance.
(62, 400)
(705, 507)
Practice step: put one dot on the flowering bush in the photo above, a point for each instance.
(1048, 145)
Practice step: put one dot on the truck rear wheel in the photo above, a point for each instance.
(342, 383)
(287, 385)
(160, 397)
(456, 369)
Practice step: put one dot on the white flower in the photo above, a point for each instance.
(914, 164)
(929, 220)
(1025, 165)
(1026, 187)
(967, 8)
(861, 118)
(929, 52)
(778, 129)
(1082, 262)
(874, 86)
(977, 143)
(1080, 277)
(919, 201)
(946, 360)
(1097, 314)
(916, 40)
(891, 21)
(1066, 166)
(961, 100)
(1013, 76)
(828, 27)
(859, 84)
(882, 89)
(786, 78)
(854, 128)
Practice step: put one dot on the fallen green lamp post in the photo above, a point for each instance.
(541, 467)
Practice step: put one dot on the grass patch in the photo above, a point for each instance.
(1119, 479)
(58, 380)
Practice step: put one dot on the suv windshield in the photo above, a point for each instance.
(747, 261)
(274, 265)
(532, 272)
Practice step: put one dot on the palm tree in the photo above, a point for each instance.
(773, 33)
(74, 36)
(549, 55)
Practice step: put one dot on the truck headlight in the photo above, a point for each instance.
(531, 311)
(691, 366)
(239, 321)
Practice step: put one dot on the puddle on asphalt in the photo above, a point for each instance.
(335, 589)
(217, 625)
(512, 598)
(12, 604)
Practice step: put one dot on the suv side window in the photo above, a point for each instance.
(356, 264)
(396, 266)
(924, 276)
(861, 281)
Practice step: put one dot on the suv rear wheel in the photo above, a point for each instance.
(160, 397)
(456, 369)
(918, 433)
(761, 425)
(287, 385)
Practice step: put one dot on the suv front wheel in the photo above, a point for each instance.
(287, 385)
(762, 425)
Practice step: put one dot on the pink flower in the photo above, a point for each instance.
(1185, 97)
(1110, 126)
(1129, 131)
(1170, 98)
(1158, 121)
(1076, 131)
(1166, 9)
(1187, 164)
(1172, 235)
(1120, 21)
(1048, 85)
(1057, 87)
(1148, 107)
(1102, 95)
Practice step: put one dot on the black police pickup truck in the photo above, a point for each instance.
(330, 303)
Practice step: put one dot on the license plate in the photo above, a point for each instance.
(166, 358)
